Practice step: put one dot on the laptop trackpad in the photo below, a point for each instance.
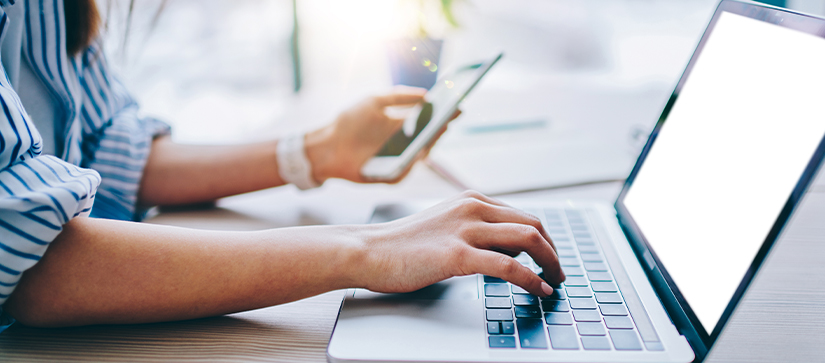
(456, 288)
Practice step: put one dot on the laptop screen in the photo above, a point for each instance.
(749, 115)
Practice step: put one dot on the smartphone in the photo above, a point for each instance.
(424, 122)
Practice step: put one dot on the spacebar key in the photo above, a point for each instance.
(531, 333)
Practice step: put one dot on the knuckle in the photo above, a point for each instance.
(535, 237)
(470, 206)
(466, 231)
(534, 221)
(472, 194)
(507, 265)
(526, 231)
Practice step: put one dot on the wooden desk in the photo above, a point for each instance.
(780, 318)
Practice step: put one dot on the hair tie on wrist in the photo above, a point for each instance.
(293, 164)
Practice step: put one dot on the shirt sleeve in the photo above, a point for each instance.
(116, 140)
(38, 194)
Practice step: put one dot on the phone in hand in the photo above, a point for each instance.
(425, 121)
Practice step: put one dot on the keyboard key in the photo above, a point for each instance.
(558, 294)
(552, 213)
(496, 290)
(588, 249)
(521, 300)
(582, 303)
(599, 276)
(493, 327)
(608, 298)
(625, 340)
(499, 314)
(555, 223)
(575, 281)
(528, 312)
(555, 305)
(579, 292)
(618, 322)
(508, 328)
(558, 319)
(595, 343)
(604, 287)
(578, 227)
(566, 252)
(492, 279)
(595, 266)
(572, 271)
(613, 309)
(497, 303)
(523, 258)
(591, 257)
(502, 342)
(531, 333)
(556, 230)
(586, 315)
(519, 290)
(563, 337)
(591, 329)
(562, 245)
(582, 237)
(569, 262)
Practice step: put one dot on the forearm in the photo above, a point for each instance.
(182, 174)
(106, 272)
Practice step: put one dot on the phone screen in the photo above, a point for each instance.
(439, 101)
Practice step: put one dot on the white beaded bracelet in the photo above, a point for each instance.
(293, 164)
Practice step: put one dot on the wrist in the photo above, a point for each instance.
(320, 151)
(294, 165)
(353, 270)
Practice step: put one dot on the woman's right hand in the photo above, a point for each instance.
(469, 234)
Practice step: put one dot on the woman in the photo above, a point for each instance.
(72, 147)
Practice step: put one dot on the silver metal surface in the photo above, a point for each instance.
(439, 326)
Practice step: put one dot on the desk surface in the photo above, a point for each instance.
(780, 318)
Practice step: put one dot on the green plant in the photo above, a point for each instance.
(445, 10)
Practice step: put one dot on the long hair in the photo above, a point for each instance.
(82, 24)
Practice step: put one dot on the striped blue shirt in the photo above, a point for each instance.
(100, 144)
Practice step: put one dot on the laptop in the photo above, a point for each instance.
(655, 276)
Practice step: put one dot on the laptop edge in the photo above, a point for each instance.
(675, 304)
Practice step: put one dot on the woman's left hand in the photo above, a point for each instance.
(340, 149)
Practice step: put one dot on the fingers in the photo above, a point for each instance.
(472, 194)
(455, 115)
(516, 237)
(509, 229)
(505, 267)
(401, 96)
(505, 214)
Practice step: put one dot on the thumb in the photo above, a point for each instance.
(401, 96)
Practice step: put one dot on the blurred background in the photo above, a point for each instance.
(581, 84)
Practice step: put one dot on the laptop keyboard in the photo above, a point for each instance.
(586, 312)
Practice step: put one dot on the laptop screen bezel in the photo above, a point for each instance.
(679, 310)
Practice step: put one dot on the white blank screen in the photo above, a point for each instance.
(738, 138)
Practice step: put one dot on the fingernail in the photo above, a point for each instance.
(546, 288)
